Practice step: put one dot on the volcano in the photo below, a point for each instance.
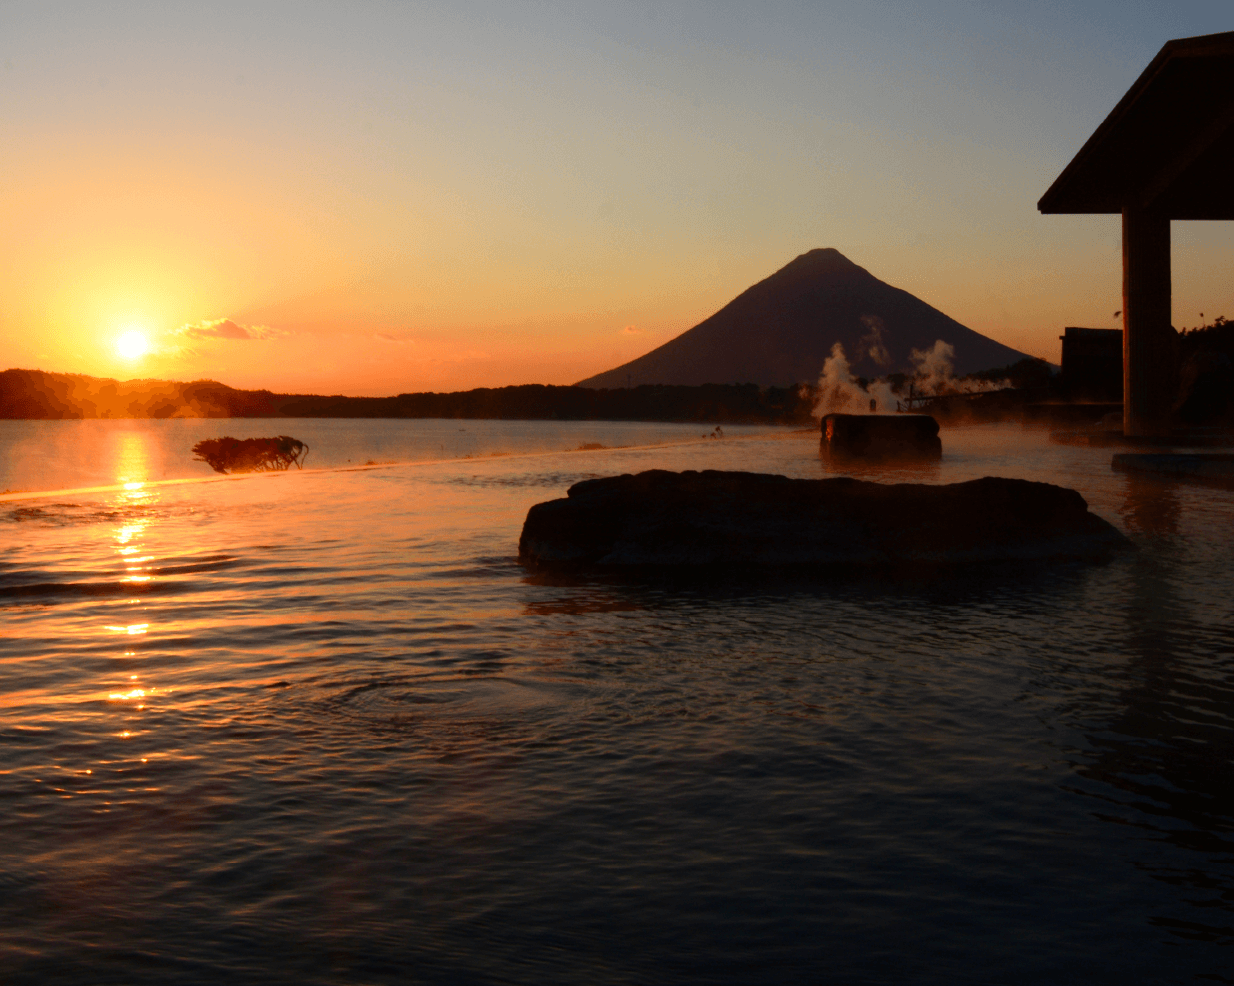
(781, 330)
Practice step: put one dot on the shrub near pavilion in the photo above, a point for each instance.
(1206, 374)
(251, 454)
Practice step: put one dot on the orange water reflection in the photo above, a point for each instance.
(136, 694)
(1151, 505)
(133, 504)
(132, 460)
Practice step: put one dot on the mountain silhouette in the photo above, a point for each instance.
(782, 329)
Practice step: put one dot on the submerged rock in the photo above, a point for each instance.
(880, 436)
(660, 518)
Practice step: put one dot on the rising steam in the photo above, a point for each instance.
(871, 344)
(933, 375)
(840, 393)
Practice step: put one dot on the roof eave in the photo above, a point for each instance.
(1059, 198)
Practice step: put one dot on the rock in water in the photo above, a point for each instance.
(660, 518)
(881, 436)
(229, 454)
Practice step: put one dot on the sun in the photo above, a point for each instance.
(133, 344)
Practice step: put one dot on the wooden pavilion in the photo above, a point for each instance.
(1166, 151)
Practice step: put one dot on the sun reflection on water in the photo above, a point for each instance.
(126, 533)
(130, 535)
(135, 694)
(130, 539)
(132, 460)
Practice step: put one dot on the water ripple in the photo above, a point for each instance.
(339, 735)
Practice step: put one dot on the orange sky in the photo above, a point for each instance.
(393, 199)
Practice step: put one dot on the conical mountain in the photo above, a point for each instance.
(782, 329)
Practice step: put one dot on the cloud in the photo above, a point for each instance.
(631, 330)
(386, 337)
(225, 328)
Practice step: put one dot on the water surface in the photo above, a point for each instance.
(321, 727)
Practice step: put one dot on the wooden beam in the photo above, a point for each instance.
(1148, 338)
(1157, 185)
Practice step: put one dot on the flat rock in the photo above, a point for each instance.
(660, 518)
(880, 436)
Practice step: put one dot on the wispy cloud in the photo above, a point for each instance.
(225, 328)
(631, 330)
(386, 337)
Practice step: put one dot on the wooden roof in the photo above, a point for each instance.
(1167, 146)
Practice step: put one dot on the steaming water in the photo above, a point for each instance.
(50, 455)
(320, 727)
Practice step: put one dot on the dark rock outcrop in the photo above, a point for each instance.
(711, 518)
(880, 436)
(229, 454)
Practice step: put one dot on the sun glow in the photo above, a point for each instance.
(133, 344)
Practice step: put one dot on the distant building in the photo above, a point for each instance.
(1092, 364)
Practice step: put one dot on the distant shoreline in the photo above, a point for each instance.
(36, 395)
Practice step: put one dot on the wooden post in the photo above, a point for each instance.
(1148, 338)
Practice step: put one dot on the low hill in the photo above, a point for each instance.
(41, 395)
(38, 394)
(780, 332)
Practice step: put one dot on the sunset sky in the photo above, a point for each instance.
(372, 198)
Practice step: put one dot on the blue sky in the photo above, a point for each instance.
(408, 196)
